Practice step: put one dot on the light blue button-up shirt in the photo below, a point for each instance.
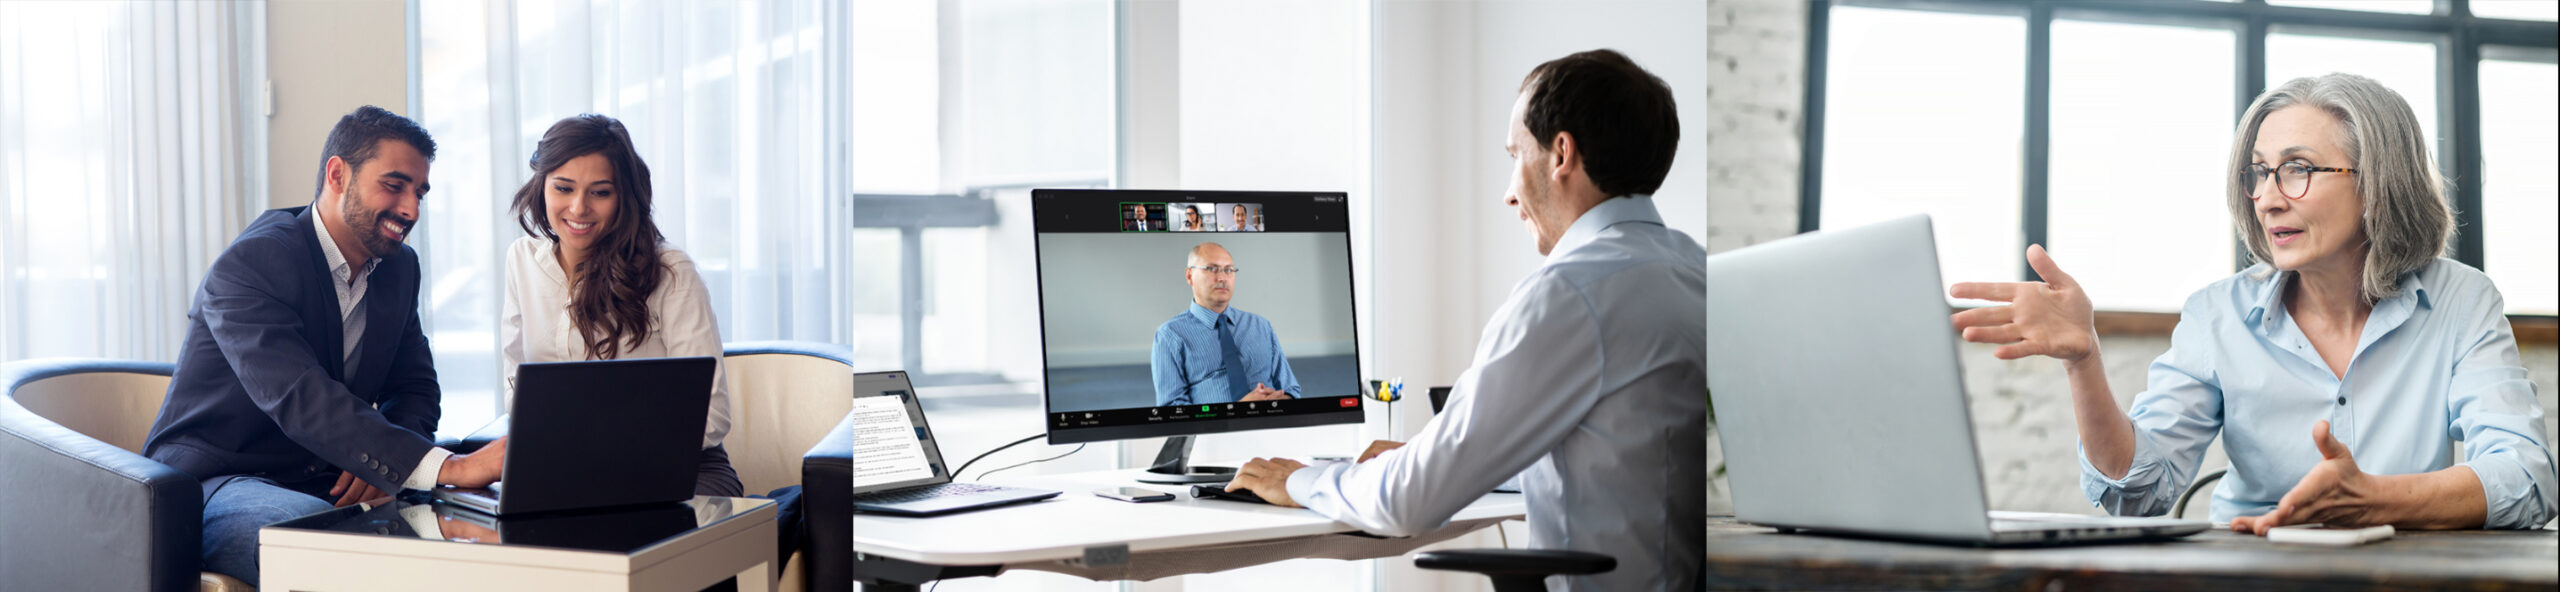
(1187, 361)
(1590, 384)
(2437, 363)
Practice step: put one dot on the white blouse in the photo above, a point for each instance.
(682, 324)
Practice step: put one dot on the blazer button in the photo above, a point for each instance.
(360, 457)
(2342, 399)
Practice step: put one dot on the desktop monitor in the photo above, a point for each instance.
(1133, 338)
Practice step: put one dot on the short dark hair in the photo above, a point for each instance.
(359, 131)
(1622, 118)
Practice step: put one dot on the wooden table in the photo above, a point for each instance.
(1742, 556)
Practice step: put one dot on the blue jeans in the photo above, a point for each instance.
(234, 514)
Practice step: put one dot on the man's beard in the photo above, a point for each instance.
(367, 224)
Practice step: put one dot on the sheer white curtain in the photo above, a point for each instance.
(130, 138)
(738, 108)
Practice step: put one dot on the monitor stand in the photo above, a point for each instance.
(1173, 465)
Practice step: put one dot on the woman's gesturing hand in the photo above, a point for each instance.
(2047, 318)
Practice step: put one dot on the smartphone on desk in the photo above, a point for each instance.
(1135, 495)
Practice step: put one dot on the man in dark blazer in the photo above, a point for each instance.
(305, 381)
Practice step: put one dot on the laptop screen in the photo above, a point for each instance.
(892, 448)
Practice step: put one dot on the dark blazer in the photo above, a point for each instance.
(260, 387)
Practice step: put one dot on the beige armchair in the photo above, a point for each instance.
(84, 510)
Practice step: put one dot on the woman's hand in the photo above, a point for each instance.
(2047, 318)
(2335, 493)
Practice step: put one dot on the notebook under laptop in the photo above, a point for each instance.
(897, 465)
(599, 434)
(1841, 403)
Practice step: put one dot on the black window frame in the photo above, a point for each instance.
(2458, 36)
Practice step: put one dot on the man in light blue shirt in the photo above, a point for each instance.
(1589, 382)
(1213, 352)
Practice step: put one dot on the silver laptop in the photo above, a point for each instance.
(897, 465)
(1840, 401)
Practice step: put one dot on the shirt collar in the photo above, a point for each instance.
(1209, 317)
(2269, 299)
(1609, 212)
(329, 248)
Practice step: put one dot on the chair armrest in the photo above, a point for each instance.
(826, 496)
(490, 432)
(1516, 562)
(81, 514)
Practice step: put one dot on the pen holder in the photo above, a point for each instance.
(1386, 391)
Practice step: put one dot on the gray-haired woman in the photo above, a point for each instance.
(2338, 370)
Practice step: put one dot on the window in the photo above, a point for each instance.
(1923, 117)
(2520, 192)
(2118, 116)
(124, 169)
(2138, 143)
(2406, 67)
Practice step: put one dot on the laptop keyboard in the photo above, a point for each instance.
(924, 493)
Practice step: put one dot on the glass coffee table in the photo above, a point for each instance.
(415, 544)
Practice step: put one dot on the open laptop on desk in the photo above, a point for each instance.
(1840, 400)
(599, 434)
(897, 465)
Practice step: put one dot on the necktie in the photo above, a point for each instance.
(1232, 361)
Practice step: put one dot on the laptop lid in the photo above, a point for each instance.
(892, 446)
(1839, 400)
(597, 434)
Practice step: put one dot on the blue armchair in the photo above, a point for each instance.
(81, 507)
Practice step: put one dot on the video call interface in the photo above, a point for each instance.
(1130, 289)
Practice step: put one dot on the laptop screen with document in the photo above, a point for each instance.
(892, 448)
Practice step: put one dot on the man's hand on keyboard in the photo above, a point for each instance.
(1269, 478)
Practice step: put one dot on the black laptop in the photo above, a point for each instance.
(897, 466)
(599, 434)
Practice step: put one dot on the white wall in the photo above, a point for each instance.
(1107, 293)
(324, 59)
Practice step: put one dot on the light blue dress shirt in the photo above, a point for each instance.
(1591, 377)
(1187, 357)
(2437, 363)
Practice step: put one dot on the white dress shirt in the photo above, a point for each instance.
(1592, 377)
(351, 284)
(681, 322)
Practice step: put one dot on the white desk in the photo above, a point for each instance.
(712, 540)
(1083, 535)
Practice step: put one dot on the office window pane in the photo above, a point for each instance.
(2400, 6)
(2408, 68)
(2520, 191)
(1924, 113)
(2531, 10)
(2141, 123)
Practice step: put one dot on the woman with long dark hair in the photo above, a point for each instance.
(594, 280)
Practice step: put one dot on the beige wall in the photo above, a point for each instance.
(325, 58)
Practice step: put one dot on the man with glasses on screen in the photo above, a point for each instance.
(1213, 352)
(1590, 377)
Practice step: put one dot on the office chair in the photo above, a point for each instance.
(2180, 511)
(1517, 570)
(83, 509)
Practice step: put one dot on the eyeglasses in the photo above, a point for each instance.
(1216, 270)
(2293, 179)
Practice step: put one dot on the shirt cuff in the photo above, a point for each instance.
(2510, 491)
(1302, 483)
(2137, 493)
(424, 477)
